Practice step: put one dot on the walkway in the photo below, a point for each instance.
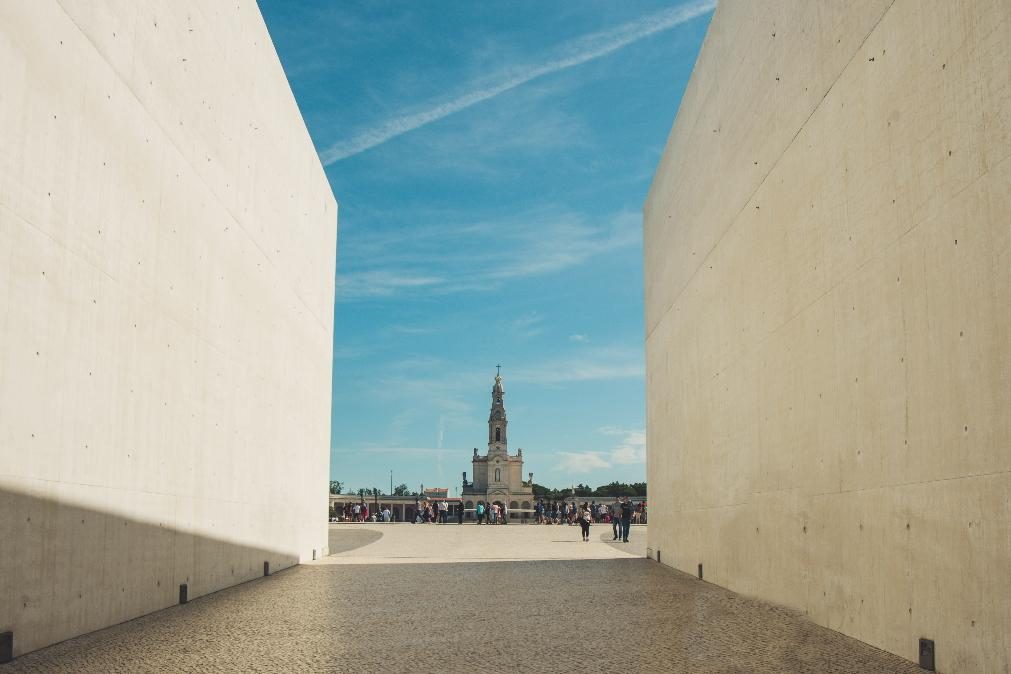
(552, 614)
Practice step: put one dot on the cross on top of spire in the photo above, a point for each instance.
(498, 370)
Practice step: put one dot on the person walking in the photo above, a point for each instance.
(616, 519)
(584, 521)
(626, 518)
(479, 511)
(443, 512)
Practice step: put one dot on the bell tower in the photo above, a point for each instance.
(497, 421)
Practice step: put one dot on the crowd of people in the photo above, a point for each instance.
(565, 512)
(620, 514)
(359, 512)
(491, 513)
(425, 512)
(431, 512)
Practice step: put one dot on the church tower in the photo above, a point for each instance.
(498, 476)
(497, 421)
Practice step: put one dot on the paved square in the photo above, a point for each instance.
(609, 612)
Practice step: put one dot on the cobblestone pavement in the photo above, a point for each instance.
(518, 616)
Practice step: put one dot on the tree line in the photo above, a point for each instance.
(540, 491)
(604, 490)
(336, 487)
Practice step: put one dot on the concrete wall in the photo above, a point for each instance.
(167, 249)
(828, 320)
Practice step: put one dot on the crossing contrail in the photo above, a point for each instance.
(572, 54)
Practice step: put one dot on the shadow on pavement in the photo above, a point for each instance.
(343, 540)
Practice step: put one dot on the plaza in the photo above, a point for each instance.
(389, 601)
(807, 328)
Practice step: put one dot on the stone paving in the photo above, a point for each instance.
(618, 614)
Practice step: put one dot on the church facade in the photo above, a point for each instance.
(498, 475)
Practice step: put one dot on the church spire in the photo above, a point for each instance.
(497, 420)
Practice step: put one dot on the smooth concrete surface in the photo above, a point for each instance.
(167, 251)
(828, 320)
(405, 543)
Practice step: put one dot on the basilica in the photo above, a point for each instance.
(498, 475)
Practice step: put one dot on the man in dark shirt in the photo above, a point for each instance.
(626, 517)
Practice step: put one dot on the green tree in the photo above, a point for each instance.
(336, 486)
(401, 490)
(540, 491)
(615, 489)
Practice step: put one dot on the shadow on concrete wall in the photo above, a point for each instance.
(67, 570)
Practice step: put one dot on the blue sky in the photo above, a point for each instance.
(490, 161)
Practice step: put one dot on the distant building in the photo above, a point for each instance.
(436, 492)
(498, 476)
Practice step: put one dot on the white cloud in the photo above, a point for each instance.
(630, 451)
(444, 259)
(345, 352)
(611, 430)
(571, 54)
(412, 330)
(582, 462)
(590, 364)
(578, 338)
(528, 325)
(406, 451)
(380, 283)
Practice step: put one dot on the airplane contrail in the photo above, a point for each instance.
(574, 53)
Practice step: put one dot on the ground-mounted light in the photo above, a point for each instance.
(927, 654)
(6, 647)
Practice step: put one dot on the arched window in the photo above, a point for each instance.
(498, 434)
(498, 474)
